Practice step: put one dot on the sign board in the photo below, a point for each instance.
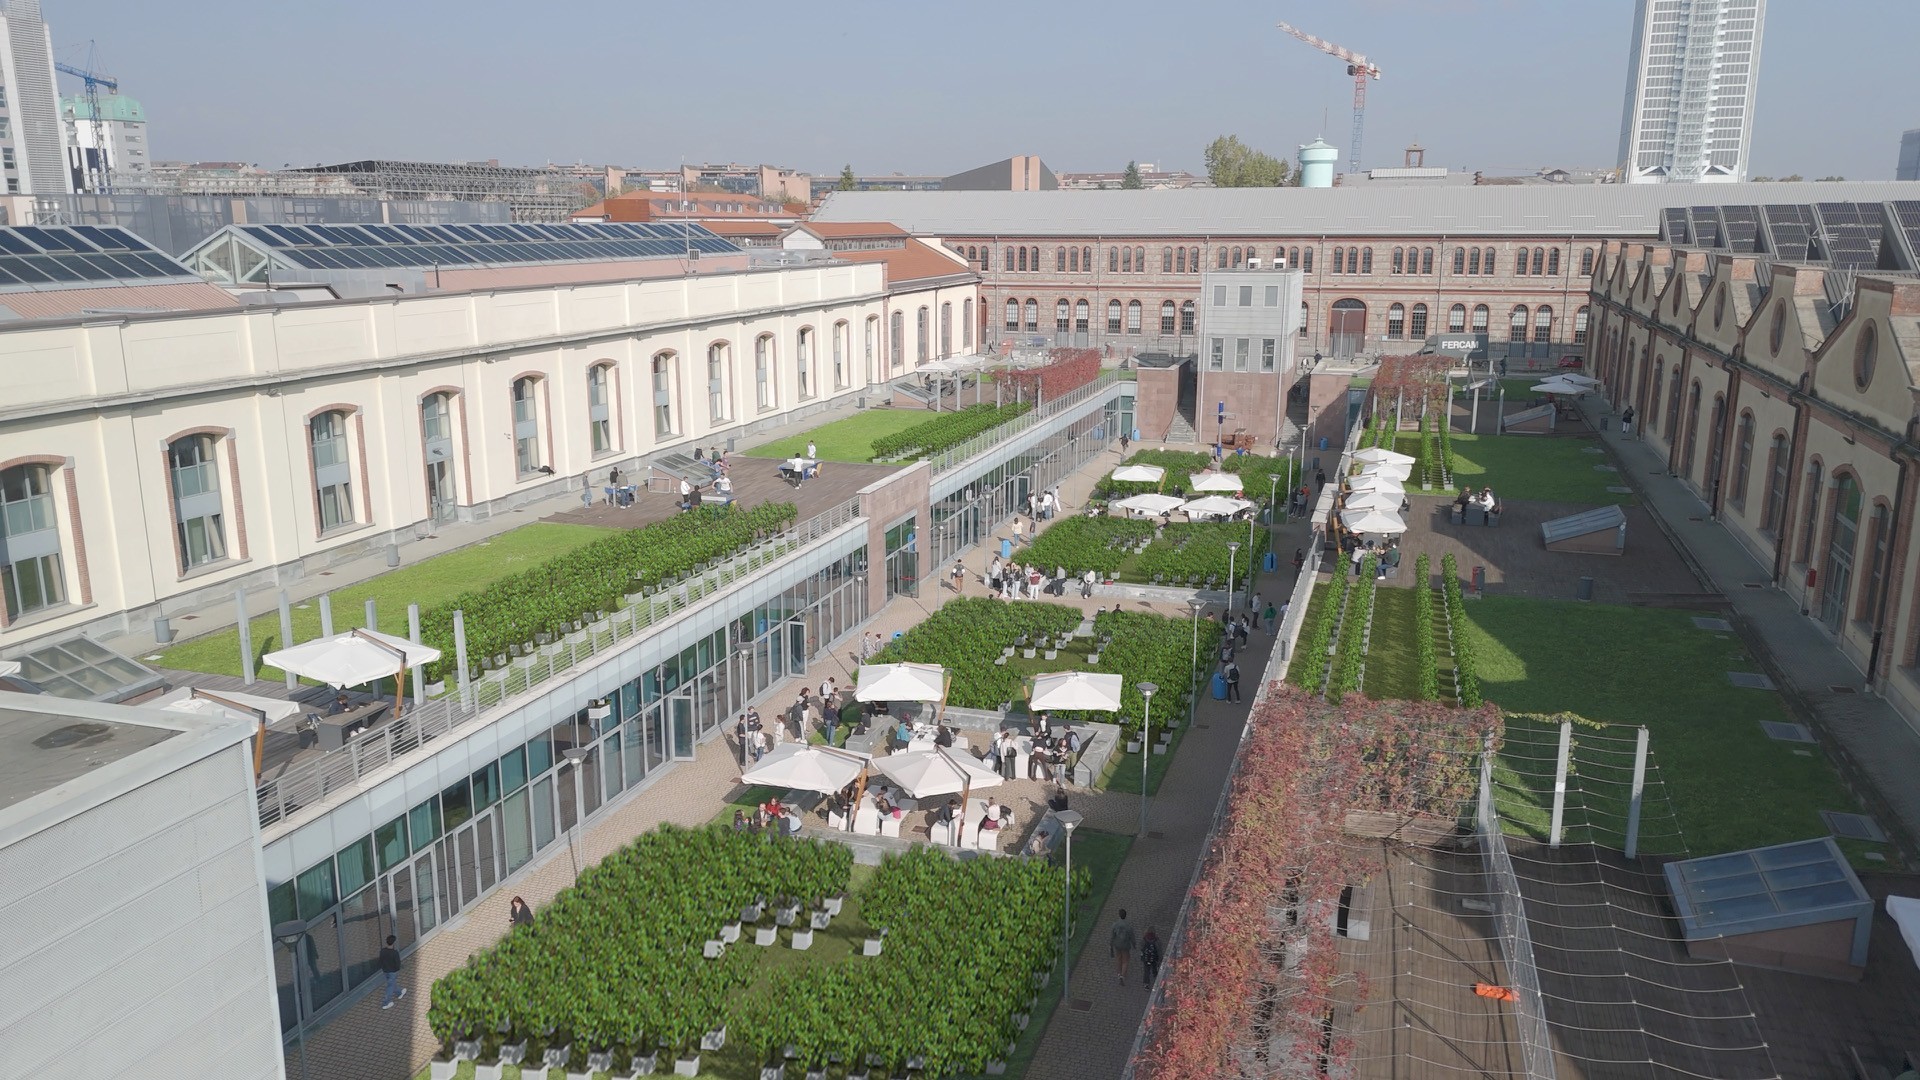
(1465, 346)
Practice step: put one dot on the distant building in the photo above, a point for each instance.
(843, 236)
(826, 185)
(1909, 156)
(1691, 77)
(1151, 176)
(535, 195)
(33, 153)
(691, 206)
(765, 181)
(112, 146)
(1022, 172)
(1249, 326)
(240, 178)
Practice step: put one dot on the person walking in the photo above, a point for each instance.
(519, 914)
(1299, 561)
(1233, 681)
(1319, 479)
(813, 451)
(1149, 958)
(1019, 530)
(1626, 421)
(1120, 944)
(390, 968)
(1087, 581)
(959, 575)
(1271, 616)
(740, 738)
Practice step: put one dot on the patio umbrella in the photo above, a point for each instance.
(1374, 481)
(1214, 481)
(1387, 472)
(1076, 690)
(1377, 455)
(1139, 474)
(1557, 385)
(807, 768)
(1216, 504)
(261, 710)
(1375, 500)
(1149, 504)
(1373, 522)
(901, 682)
(353, 658)
(1582, 380)
(943, 770)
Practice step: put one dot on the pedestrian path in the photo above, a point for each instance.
(1881, 750)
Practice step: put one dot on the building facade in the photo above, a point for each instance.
(1909, 167)
(1248, 329)
(33, 152)
(1692, 74)
(1784, 395)
(111, 150)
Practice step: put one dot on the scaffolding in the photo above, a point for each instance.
(534, 195)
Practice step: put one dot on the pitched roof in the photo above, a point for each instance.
(114, 299)
(1385, 210)
(742, 228)
(916, 261)
(851, 230)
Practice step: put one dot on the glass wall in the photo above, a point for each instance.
(442, 856)
(970, 516)
(903, 559)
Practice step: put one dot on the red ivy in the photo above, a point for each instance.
(1413, 377)
(1065, 370)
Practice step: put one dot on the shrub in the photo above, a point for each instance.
(1467, 678)
(944, 431)
(1423, 629)
(1315, 638)
(1351, 657)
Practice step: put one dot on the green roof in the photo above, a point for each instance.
(112, 107)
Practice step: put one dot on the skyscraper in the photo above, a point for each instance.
(1909, 156)
(1691, 78)
(33, 154)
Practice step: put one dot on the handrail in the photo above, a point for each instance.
(953, 457)
(314, 779)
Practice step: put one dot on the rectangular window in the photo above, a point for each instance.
(1269, 351)
(1220, 295)
(1246, 296)
(390, 843)
(1417, 326)
(1240, 347)
(1217, 355)
(1273, 296)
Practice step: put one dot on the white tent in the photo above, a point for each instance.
(351, 659)
(1149, 504)
(1375, 481)
(190, 699)
(1377, 455)
(1139, 474)
(1373, 522)
(1375, 500)
(1587, 381)
(1216, 504)
(924, 774)
(1076, 690)
(1390, 472)
(807, 768)
(1214, 481)
(1558, 385)
(901, 682)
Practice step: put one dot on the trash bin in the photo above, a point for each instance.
(163, 631)
(1219, 686)
(1323, 442)
(1479, 580)
(1585, 590)
(1270, 563)
(1006, 549)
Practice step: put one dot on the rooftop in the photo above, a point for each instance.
(916, 261)
(1765, 889)
(40, 750)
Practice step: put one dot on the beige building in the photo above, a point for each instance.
(1785, 396)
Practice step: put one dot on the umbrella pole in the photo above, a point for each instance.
(958, 828)
(259, 748)
(399, 680)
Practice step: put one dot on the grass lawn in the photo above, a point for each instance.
(1309, 672)
(1719, 778)
(426, 583)
(850, 439)
(1101, 853)
(1533, 467)
(1393, 653)
(1123, 773)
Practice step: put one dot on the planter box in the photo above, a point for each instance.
(1133, 746)
(765, 935)
(599, 712)
(786, 916)
(1008, 651)
(872, 946)
(1093, 658)
(816, 1074)
(714, 949)
(730, 933)
(556, 1057)
(495, 1071)
(1160, 747)
(774, 1072)
(435, 689)
(822, 920)
(1030, 653)
(996, 1068)
(645, 1064)
(714, 1040)
(442, 1070)
(600, 1061)
(687, 1066)
(752, 912)
(833, 905)
(803, 939)
(513, 1053)
(1053, 654)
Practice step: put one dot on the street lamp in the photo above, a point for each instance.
(1147, 690)
(1068, 819)
(576, 755)
(1193, 687)
(1233, 549)
(291, 934)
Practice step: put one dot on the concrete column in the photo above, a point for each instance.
(413, 635)
(286, 635)
(373, 622)
(1639, 790)
(246, 636)
(1560, 782)
(326, 615)
(460, 657)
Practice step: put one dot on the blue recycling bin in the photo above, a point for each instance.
(1219, 686)
(1323, 442)
(1006, 549)
(1270, 563)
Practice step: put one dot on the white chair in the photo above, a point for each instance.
(890, 826)
(866, 818)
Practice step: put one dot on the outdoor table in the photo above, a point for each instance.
(333, 728)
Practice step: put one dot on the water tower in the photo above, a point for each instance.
(1317, 160)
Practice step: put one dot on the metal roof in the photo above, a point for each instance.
(1625, 210)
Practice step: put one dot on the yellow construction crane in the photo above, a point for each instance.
(1361, 69)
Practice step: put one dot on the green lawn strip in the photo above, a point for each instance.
(1123, 774)
(1724, 784)
(1393, 656)
(1101, 853)
(1530, 467)
(850, 439)
(747, 798)
(1308, 672)
(425, 583)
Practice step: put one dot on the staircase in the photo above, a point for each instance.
(1181, 432)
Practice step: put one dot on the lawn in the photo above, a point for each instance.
(1393, 655)
(850, 439)
(1123, 775)
(1716, 775)
(1101, 853)
(1533, 467)
(426, 583)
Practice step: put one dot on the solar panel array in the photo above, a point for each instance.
(1906, 214)
(369, 247)
(1674, 225)
(1743, 228)
(1791, 227)
(1854, 232)
(1706, 226)
(77, 256)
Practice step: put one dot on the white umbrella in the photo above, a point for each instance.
(1214, 481)
(1375, 500)
(943, 770)
(1582, 380)
(1076, 690)
(1216, 504)
(1397, 473)
(807, 768)
(350, 659)
(190, 699)
(1373, 522)
(1558, 385)
(1149, 504)
(1374, 481)
(1374, 454)
(901, 682)
(1139, 474)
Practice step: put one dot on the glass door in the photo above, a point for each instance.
(681, 714)
(440, 495)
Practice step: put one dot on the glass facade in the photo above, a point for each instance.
(991, 497)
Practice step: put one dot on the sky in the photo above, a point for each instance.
(1501, 86)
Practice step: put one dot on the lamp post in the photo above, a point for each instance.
(1068, 819)
(291, 934)
(1147, 690)
(576, 755)
(1233, 549)
(1193, 687)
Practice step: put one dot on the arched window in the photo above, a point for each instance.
(1167, 317)
(1086, 258)
(332, 472)
(1580, 326)
(1399, 257)
(1814, 494)
(1460, 260)
(199, 533)
(1126, 260)
(1553, 261)
(1186, 316)
(1113, 316)
(1347, 327)
(766, 392)
(1306, 316)
(973, 255)
(1480, 318)
(1306, 260)
(1396, 321)
(600, 408)
(1280, 257)
(1777, 464)
(1539, 260)
(1520, 263)
(1140, 260)
(1742, 461)
(897, 345)
(32, 573)
(1476, 262)
(1073, 260)
(1879, 534)
(1013, 314)
(946, 330)
(1417, 324)
(1062, 318)
(526, 426)
(1517, 325)
(1180, 261)
(1036, 256)
(1006, 261)
(923, 335)
(1166, 260)
(1082, 317)
(1488, 262)
(1133, 316)
(436, 446)
(719, 371)
(1023, 258)
(986, 259)
(1426, 260)
(1457, 319)
(1293, 256)
(1220, 263)
(1237, 255)
(1542, 325)
(803, 359)
(1586, 262)
(1843, 534)
(1113, 260)
(1060, 260)
(1033, 315)
(1366, 260)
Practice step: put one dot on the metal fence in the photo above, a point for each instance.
(312, 780)
(952, 458)
(1515, 939)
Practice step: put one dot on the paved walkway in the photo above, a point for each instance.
(1877, 750)
(1088, 1041)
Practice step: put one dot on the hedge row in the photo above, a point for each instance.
(944, 431)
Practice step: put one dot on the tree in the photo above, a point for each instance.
(847, 182)
(1232, 163)
(1130, 180)
(1830, 179)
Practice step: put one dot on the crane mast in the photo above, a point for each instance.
(93, 81)
(1361, 69)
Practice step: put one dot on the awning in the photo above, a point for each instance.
(901, 682)
(807, 768)
(1216, 504)
(1373, 522)
(1378, 455)
(1214, 481)
(1150, 504)
(1076, 690)
(943, 770)
(351, 659)
(1139, 474)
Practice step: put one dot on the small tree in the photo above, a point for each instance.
(847, 182)
(1232, 163)
(1130, 180)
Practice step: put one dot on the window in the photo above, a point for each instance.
(1126, 260)
(1366, 261)
(1476, 262)
(1742, 461)
(1843, 534)
(30, 568)
(1426, 260)
(1240, 354)
(1269, 353)
(1186, 316)
(1006, 259)
(1417, 328)
(1219, 296)
(1035, 256)
(1586, 262)
(1542, 325)
(1166, 317)
(1062, 317)
(1133, 316)
(1488, 268)
(1073, 261)
(1140, 260)
(1539, 259)
(766, 395)
(873, 342)
(1082, 313)
(923, 333)
(1517, 324)
(946, 330)
(1520, 263)
(1220, 263)
(1086, 258)
(1013, 314)
(897, 348)
(1060, 260)
(1652, 421)
(1033, 315)
(1180, 261)
(966, 329)
(1271, 296)
(1777, 465)
(719, 361)
(1553, 261)
(1460, 260)
(1246, 296)
(1777, 331)
(1813, 512)
(1580, 326)
(1480, 317)
(197, 509)
(1113, 260)
(1113, 316)
(333, 485)
(1457, 319)
(1879, 532)
(841, 331)
(1166, 260)
(1237, 256)
(1023, 259)
(1866, 350)
(1338, 256)
(1305, 317)
(1399, 267)
(1396, 321)
(1293, 256)
(1217, 354)
(1306, 260)
(599, 418)
(803, 361)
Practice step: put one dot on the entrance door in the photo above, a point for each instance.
(415, 899)
(1347, 328)
(1839, 576)
(681, 720)
(440, 495)
(436, 434)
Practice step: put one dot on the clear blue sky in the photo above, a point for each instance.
(917, 87)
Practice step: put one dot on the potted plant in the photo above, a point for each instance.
(599, 709)
(803, 938)
(436, 688)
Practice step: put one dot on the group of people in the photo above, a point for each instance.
(1483, 499)
(1043, 506)
(1387, 556)
(801, 468)
(1012, 580)
(770, 816)
(1051, 757)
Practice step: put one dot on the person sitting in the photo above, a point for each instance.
(341, 704)
(904, 734)
(792, 824)
(1057, 802)
(991, 822)
(944, 736)
(739, 821)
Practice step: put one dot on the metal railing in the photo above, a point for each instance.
(311, 781)
(953, 457)
(1516, 940)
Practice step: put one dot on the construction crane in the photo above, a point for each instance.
(93, 82)
(1361, 69)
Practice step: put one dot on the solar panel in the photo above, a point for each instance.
(1743, 228)
(1674, 225)
(1706, 226)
